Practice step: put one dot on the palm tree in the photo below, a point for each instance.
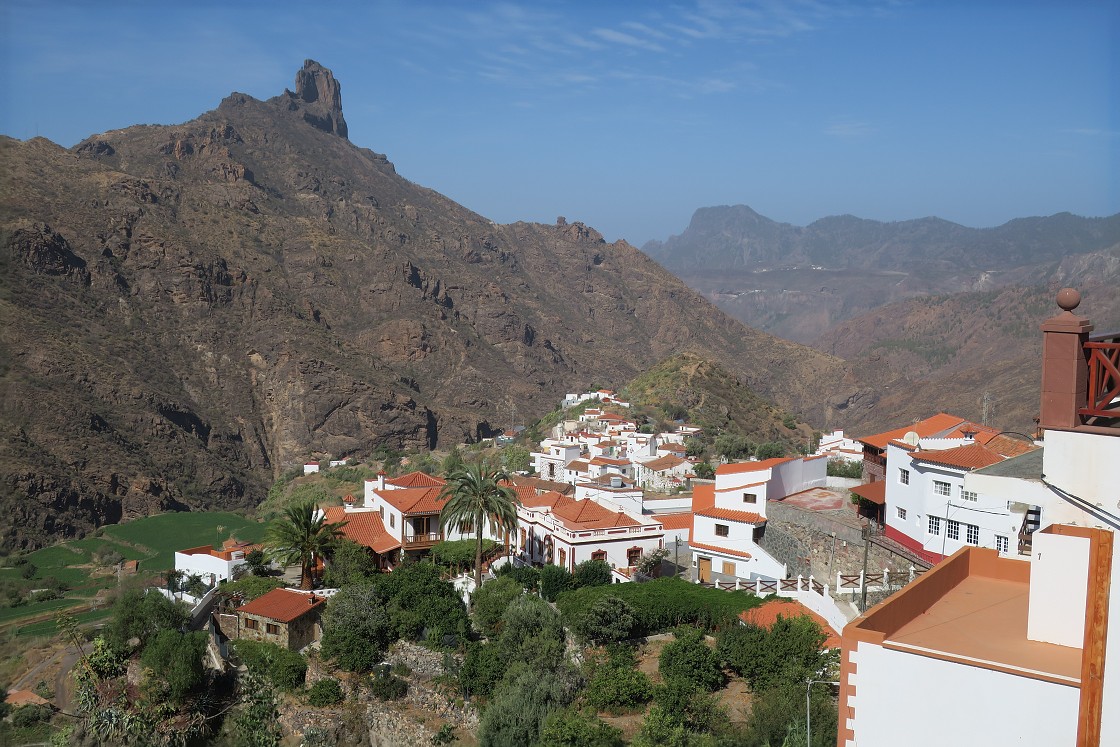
(475, 493)
(299, 536)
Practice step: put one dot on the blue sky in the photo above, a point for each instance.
(630, 115)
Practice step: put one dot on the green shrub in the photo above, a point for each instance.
(286, 670)
(789, 651)
(387, 687)
(843, 468)
(554, 580)
(570, 728)
(526, 575)
(325, 692)
(618, 689)
(689, 659)
(483, 668)
(491, 601)
(591, 573)
(524, 700)
(357, 629)
(30, 715)
(609, 619)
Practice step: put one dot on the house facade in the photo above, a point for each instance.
(284, 617)
(213, 565)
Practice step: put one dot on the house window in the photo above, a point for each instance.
(563, 558)
(940, 488)
(721, 530)
(967, 495)
(599, 555)
(935, 525)
(392, 521)
(750, 497)
(904, 476)
(382, 512)
(972, 534)
(900, 512)
(633, 555)
(272, 628)
(1001, 544)
(953, 529)
(250, 623)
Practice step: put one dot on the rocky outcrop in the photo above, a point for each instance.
(319, 96)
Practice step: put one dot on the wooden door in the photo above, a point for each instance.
(704, 569)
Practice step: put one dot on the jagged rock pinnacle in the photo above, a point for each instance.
(319, 95)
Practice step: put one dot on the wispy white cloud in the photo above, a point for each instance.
(628, 40)
(849, 128)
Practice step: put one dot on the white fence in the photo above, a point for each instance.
(852, 583)
(811, 593)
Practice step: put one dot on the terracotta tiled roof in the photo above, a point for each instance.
(665, 462)
(548, 499)
(767, 614)
(414, 500)
(981, 433)
(746, 517)
(416, 480)
(716, 549)
(969, 457)
(588, 514)
(600, 461)
(736, 467)
(577, 465)
(674, 521)
(1007, 446)
(282, 605)
(703, 495)
(365, 528)
(876, 492)
(934, 426)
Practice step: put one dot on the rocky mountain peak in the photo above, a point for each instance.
(319, 96)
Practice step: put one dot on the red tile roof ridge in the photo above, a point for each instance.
(732, 468)
(746, 517)
(970, 456)
(927, 428)
(282, 605)
(717, 549)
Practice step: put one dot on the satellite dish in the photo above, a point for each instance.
(911, 438)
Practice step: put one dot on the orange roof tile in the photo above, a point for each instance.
(703, 495)
(739, 487)
(736, 467)
(674, 521)
(577, 465)
(1007, 446)
(25, 697)
(932, 426)
(768, 613)
(666, 462)
(969, 457)
(723, 550)
(414, 500)
(365, 528)
(876, 492)
(746, 517)
(416, 480)
(601, 460)
(282, 605)
(547, 499)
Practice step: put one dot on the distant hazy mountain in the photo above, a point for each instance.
(734, 238)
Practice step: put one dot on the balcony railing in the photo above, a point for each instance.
(1103, 355)
(422, 540)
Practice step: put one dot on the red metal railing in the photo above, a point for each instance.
(1103, 354)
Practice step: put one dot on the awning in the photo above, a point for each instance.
(876, 492)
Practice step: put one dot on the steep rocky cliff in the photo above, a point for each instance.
(185, 310)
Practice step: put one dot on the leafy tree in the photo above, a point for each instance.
(843, 468)
(419, 601)
(689, 659)
(592, 573)
(325, 692)
(483, 668)
(608, 620)
(256, 722)
(456, 554)
(684, 704)
(790, 651)
(650, 562)
(733, 446)
(257, 562)
(452, 462)
(526, 575)
(567, 727)
(554, 580)
(385, 686)
(175, 658)
(350, 563)
(777, 716)
(284, 669)
(250, 587)
(475, 494)
(194, 586)
(299, 535)
(141, 614)
(532, 633)
(516, 458)
(770, 450)
(694, 447)
(524, 700)
(356, 629)
(491, 601)
(704, 470)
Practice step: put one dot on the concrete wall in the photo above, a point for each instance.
(1059, 569)
(908, 699)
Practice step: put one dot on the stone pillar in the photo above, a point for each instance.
(1065, 368)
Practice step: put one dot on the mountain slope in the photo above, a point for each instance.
(188, 309)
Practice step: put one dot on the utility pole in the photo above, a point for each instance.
(677, 554)
(863, 581)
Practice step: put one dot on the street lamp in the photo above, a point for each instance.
(808, 724)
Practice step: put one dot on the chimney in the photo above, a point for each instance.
(381, 480)
(1065, 368)
(616, 482)
(311, 599)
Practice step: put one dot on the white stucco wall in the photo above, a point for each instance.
(206, 565)
(1059, 573)
(1084, 464)
(917, 701)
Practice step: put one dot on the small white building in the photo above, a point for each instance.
(836, 446)
(214, 566)
(663, 474)
(310, 468)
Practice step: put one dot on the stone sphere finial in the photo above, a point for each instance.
(1068, 299)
